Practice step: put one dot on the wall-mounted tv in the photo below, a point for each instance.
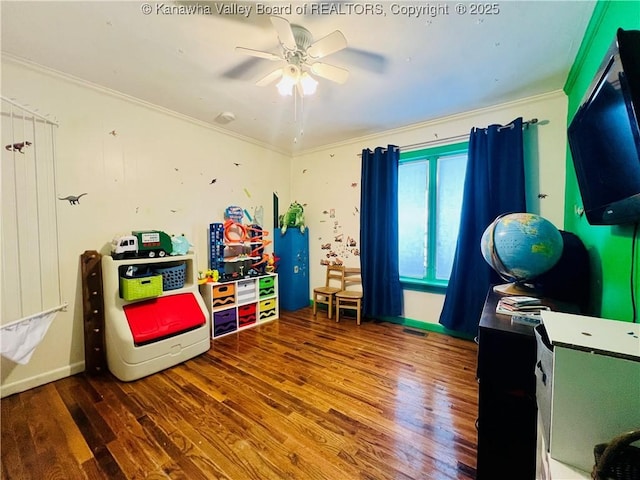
(604, 136)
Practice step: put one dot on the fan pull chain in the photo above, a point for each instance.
(295, 114)
(298, 116)
(301, 115)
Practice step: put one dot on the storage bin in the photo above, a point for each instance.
(223, 294)
(267, 309)
(224, 321)
(172, 277)
(247, 314)
(246, 291)
(267, 286)
(138, 288)
(224, 290)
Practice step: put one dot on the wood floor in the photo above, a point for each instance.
(298, 398)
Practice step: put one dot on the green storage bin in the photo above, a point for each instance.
(267, 286)
(141, 287)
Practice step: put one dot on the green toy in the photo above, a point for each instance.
(294, 217)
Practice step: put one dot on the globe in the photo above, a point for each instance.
(521, 246)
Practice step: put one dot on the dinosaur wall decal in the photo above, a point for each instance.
(73, 199)
(17, 147)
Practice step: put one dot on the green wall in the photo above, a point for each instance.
(609, 246)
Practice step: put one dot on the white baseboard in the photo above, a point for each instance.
(38, 380)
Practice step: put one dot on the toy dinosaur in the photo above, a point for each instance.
(294, 217)
(73, 199)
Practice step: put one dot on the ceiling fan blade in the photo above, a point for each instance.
(364, 59)
(330, 72)
(272, 77)
(258, 53)
(244, 69)
(327, 45)
(285, 34)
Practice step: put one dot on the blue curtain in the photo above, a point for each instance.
(494, 185)
(379, 233)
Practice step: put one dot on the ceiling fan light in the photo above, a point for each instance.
(285, 85)
(308, 83)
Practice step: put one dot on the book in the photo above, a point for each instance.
(532, 319)
(520, 300)
(507, 308)
(522, 308)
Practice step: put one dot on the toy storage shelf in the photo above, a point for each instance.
(241, 304)
(129, 360)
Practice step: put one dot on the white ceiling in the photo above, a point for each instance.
(403, 70)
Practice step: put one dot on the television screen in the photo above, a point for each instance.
(604, 138)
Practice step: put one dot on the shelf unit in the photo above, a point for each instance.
(95, 359)
(128, 361)
(240, 304)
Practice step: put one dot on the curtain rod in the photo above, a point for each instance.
(458, 138)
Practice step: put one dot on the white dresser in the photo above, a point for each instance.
(588, 390)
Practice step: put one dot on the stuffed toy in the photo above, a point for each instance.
(294, 217)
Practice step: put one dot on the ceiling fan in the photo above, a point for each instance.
(300, 53)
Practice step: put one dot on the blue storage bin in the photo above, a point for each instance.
(172, 277)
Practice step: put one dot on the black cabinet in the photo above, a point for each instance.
(507, 411)
(507, 403)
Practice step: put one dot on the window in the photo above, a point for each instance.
(430, 184)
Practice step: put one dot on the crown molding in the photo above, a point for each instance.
(554, 94)
(36, 67)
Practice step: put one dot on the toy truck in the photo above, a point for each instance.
(142, 243)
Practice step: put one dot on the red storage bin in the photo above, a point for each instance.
(247, 314)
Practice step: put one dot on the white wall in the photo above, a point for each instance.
(328, 179)
(155, 173)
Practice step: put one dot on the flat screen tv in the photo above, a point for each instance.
(604, 136)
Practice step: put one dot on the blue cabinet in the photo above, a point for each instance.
(293, 268)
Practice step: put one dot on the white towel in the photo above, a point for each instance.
(19, 340)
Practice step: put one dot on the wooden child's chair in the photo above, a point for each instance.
(334, 283)
(350, 298)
